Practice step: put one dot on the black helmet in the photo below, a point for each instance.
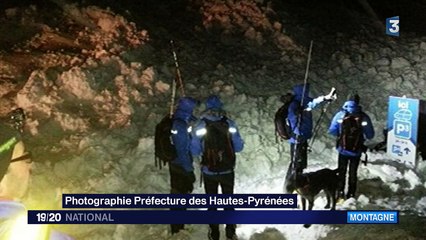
(17, 118)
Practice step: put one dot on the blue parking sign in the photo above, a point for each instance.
(402, 129)
(402, 125)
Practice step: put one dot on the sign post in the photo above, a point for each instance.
(402, 126)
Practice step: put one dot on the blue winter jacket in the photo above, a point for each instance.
(181, 132)
(334, 129)
(303, 112)
(213, 105)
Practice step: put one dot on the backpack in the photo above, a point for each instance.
(218, 154)
(282, 125)
(351, 133)
(165, 151)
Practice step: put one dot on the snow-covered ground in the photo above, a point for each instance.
(95, 90)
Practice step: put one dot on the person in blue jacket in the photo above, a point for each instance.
(351, 157)
(181, 168)
(223, 175)
(15, 173)
(301, 123)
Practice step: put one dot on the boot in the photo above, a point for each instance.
(230, 232)
(340, 197)
(350, 195)
(213, 234)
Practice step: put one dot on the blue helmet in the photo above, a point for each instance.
(214, 102)
(187, 104)
(298, 91)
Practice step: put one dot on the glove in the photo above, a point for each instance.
(331, 96)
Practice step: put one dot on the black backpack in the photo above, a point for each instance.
(218, 154)
(165, 151)
(351, 132)
(282, 125)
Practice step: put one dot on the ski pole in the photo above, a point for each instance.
(172, 100)
(317, 127)
(299, 117)
(178, 75)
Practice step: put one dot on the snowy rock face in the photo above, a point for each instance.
(94, 84)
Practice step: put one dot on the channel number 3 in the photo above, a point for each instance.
(394, 28)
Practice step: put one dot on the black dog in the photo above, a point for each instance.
(308, 185)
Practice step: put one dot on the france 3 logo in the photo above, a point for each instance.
(392, 26)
